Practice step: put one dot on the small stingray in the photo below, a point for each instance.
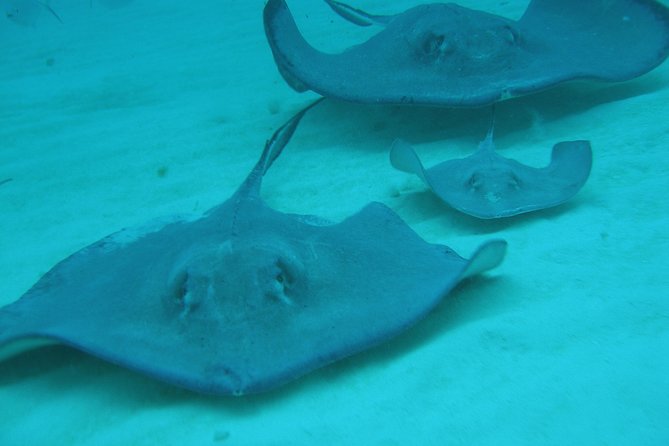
(243, 298)
(27, 12)
(443, 54)
(487, 185)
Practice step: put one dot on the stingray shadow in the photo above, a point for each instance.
(57, 369)
(424, 205)
(460, 308)
(374, 127)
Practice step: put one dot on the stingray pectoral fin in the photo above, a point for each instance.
(15, 336)
(292, 53)
(403, 157)
(357, 16)
(19, 345)
(9, 325)
(571, 162)
(489, 255)
(611, 40)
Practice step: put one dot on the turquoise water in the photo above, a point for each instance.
(119, 115)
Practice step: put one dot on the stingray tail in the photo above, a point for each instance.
(273, 148)
(491, 129)
(358, 16)
(488, 144)
(50, 9)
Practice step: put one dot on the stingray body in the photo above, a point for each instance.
(487, 185)
(443, 54)
(243, 298)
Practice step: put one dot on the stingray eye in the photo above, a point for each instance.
(180, 288)
(509, 34)
(429, 46)
(278, 284)
(514, 182)
(474, 181)
(184, 292)
(283, 277)
(433, 46)
(432, 43)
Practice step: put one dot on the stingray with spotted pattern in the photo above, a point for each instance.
(243, 298)
(443, 54)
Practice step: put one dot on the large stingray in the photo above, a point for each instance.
(446, 55)
(243, 298)
(487, 185)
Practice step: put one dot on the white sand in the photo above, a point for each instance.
(566, 343)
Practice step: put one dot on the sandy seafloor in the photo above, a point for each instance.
(118, 116)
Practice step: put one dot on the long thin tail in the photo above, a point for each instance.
(358, 16)
(275, 145)
(50, 9)
(273, 148)
(488, 144)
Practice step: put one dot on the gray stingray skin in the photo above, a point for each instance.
(442, 54)
(243, 298)
(487, 185)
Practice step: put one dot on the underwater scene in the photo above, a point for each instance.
(294, 222)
